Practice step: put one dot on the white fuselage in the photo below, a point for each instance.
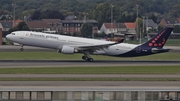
(54, 41)
(70, 45)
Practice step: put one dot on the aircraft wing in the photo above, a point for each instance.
(93, 48)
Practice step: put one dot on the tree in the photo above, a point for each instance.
(48, 14)
(97, 9)
(175, 12)
(139, 24)
(102, 13)
(153, 17)
(86, 30)
(36, 15)
(28, 12)
(127, 17)
(22, 26)
(52, 14)
(3, 18)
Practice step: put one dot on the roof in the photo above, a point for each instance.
(171, 20)
(115, 25)
(110, 25)
(17, 22)
(51, 20)
(121, 25)
(37, 24)
(178, 19)
(130, 25)
(79, 21)
(7, 24)
(150, 23)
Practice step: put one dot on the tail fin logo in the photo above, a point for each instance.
(154, 41)
(159, 40)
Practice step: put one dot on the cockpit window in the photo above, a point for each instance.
(13, 33)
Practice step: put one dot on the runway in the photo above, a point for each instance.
(80, 63)
(59, 63)
(12, 48)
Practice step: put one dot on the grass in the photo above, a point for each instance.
(173, 42)
(89, 70)
(95, 70)
(89, 79)
(58, 56)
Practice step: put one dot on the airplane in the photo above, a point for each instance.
(70, 45)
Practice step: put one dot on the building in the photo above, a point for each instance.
(109, 28)
(54, 24)
(38, 25)
(131, 28)
(149, 24)
(61, 26)
(74, 26)
(123, 28)
(45, 25)
(6, 25)
(168, 21)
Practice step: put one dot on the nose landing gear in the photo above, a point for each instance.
(21, 49)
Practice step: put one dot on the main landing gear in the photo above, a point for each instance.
(87, 57)
(21, 49)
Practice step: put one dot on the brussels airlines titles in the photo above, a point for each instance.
(42, 36)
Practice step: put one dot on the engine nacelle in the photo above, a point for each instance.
(67, 50)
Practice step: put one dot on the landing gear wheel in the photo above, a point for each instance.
(87, 57)
(90, 59)
(84, 57)
(21, 49)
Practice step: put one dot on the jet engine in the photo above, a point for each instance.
(67, 50)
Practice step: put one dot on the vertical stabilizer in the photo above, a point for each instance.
(159, 40)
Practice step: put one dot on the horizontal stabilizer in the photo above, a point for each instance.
(155, 50)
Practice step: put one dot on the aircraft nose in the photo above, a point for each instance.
(8, 36)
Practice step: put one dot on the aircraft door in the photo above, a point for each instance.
(138, 50)
(22, 38)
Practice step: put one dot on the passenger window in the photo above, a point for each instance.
(13, 33)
